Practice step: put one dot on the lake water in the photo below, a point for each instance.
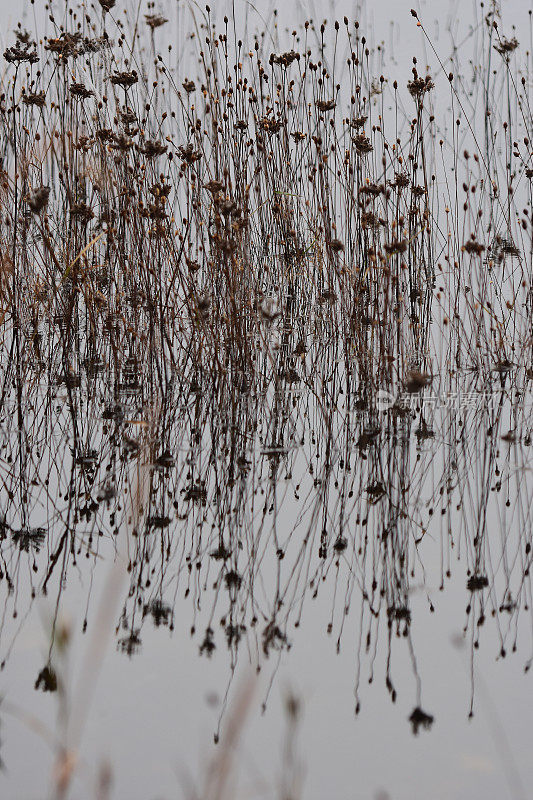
(309, 583)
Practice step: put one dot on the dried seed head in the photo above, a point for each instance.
(506, 46)
(325, 105)
(415, 380)
(155, 20)
(39, 199)
(16, 54)
(124, 79)
(81, 91)
(152, 149)
(34, 99)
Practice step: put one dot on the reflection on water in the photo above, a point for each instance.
(253, 502)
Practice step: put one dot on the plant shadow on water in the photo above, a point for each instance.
(266, 335)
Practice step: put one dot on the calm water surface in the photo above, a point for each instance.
(163, 554)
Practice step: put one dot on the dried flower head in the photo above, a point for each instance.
(419, 86)
(285, 59)
(415, 380)
(153, 149)
(474, 247)
(362, 144)
(38, 200)
(188, 154)
(79, 90)
(155, 20)
(124, 79)
(325, 105)
(16, 54)
(419, 719)
(34, 99)
(214, 186)
(506, 46)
